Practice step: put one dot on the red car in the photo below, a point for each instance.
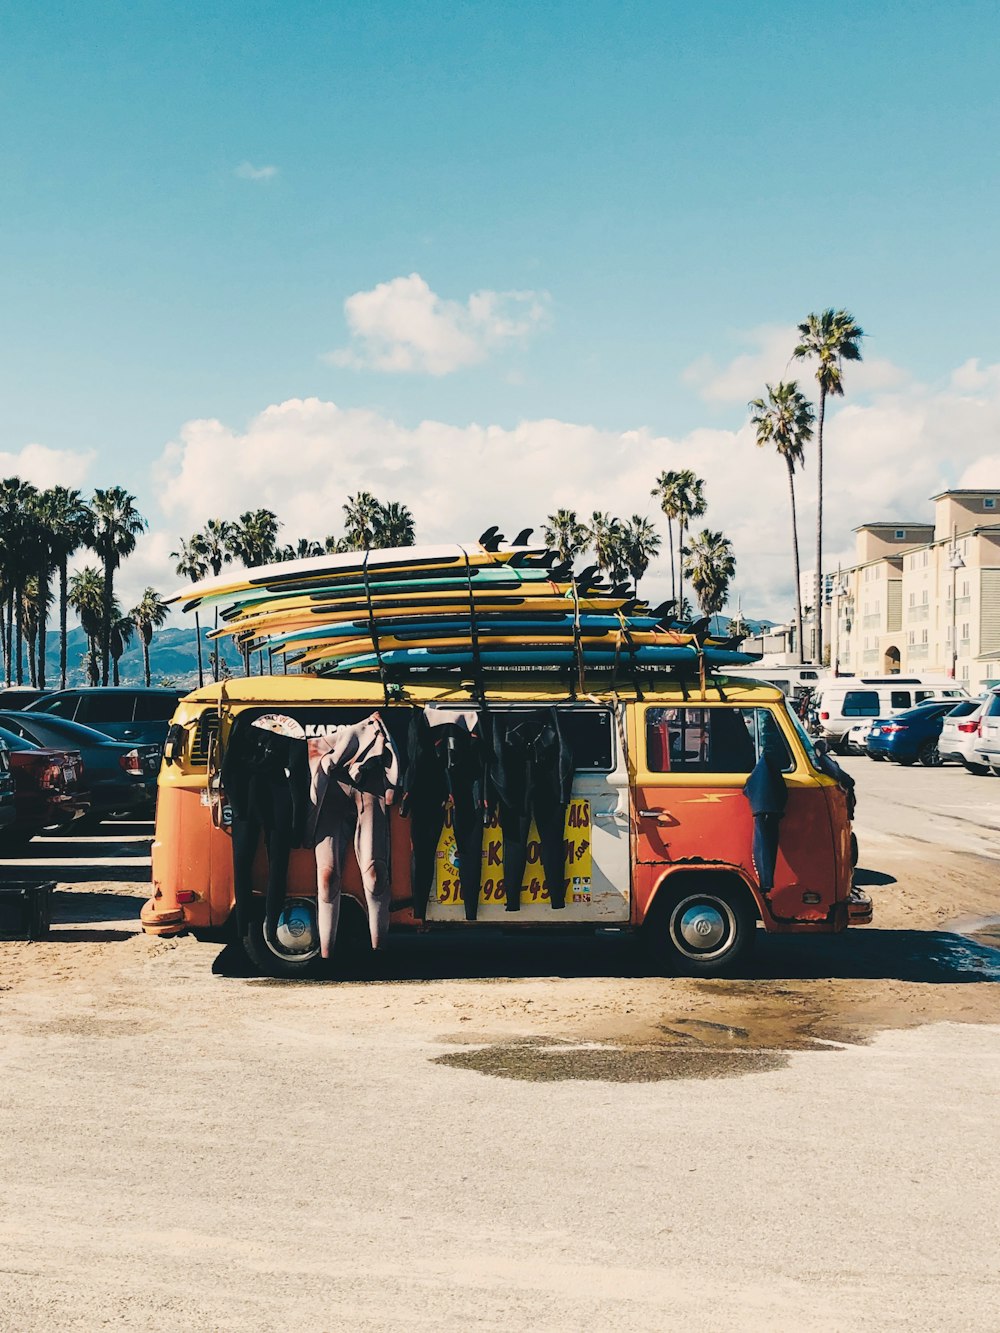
(47, 788)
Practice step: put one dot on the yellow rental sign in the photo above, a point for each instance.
(534, 889)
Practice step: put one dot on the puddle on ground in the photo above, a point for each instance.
(690, 1048)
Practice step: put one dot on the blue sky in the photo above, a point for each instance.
(666, 180)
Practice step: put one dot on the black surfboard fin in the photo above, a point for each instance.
(586, 575)
(490, 540)
(523, 537)
(699, 628)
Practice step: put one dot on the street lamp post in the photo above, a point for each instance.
(839, 590)
(956, 562)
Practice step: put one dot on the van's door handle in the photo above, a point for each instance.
(654, 814)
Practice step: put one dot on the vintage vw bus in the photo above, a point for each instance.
(659, 833)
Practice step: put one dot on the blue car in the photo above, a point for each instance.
(120, 777)
(910, 736)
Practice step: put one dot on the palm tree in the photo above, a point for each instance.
(35, 604)
(86, 597)
(639, 543)
(360, 514)
(304, 549)
(604, 535)
(832, 337)
(711, 564)
(334, 545)
(216, 544)
(667, 491)
(253, 539)
(17, 534)
(786, 421)
(149, 614)
(690, 504)
(393, 526)
(192, 564)
(563, 531)
(117, 523)
(122, 629)
(70, 527)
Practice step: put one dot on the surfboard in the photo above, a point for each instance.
(489, 621)
(426, 658)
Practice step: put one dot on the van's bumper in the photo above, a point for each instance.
(157, 920)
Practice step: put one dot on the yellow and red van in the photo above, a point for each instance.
(659, 833)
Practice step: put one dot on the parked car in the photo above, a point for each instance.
(121, 778)
(857, 737)
(19, 696)
(8, 811)
(910, 736)
(854, 698)
(47, 787)
(960, 735)
(987, 749)
(137, 715)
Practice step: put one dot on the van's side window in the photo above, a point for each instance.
(861, 703)
(900, 699)
(712, 740)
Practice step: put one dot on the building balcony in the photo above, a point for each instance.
(918, 652)
(871, 622)
(918, 613)
(962, 604)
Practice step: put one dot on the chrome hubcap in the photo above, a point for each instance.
(703, 927)
(296, 935)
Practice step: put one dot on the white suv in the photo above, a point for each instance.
(960, 735)
(987, 748)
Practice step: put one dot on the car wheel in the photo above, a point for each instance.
(928, 755)
(294, 951)
(980, 770)
(873, 754)
(702, 931)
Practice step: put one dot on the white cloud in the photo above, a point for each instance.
(884, 459)
(403, 326)
(45, 467)
(769, 359)
(246, 171)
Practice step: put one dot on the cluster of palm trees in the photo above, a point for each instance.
(624, 549)
(252, 540)
(40, 531)
(785, 419)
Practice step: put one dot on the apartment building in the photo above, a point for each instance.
(924, 597)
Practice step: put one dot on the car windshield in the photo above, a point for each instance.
(34, 725)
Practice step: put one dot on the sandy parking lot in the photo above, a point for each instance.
(529, 1135)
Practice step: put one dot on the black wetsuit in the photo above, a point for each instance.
(766, 791)
(265, 777)
(445, 758)
(531, 773)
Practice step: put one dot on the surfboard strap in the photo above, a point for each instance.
(373, 629)
(479, 685)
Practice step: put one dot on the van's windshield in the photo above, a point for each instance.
(804, 736)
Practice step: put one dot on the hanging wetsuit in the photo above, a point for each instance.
(446, 751)
(766, 791)
(265, 777)
(354, 773)
(532, 775)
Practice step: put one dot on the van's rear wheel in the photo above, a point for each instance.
(702, 931)
(295, 948)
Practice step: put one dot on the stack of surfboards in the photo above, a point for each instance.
(489, 604)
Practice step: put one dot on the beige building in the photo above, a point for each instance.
(924, 597)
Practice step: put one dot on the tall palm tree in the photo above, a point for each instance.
(254, 538)
(393, 526)
(832, 337)
(216, 541)
(360, 515)
(668, 491)
(639, 543)
(117, 524)
(786, 421)
(86, 597)
(690, 504)
(43, 521)
(564, 531)
(192, 564)
(148, 614)
(304, 549)
(603, 535)
(122, 629)
(70, 527)
(335, 545)
(35, 602)
(711, 564)
(17, 533)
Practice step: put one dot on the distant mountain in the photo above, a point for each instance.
(173, 656)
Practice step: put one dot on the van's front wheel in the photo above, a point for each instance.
(702, 931)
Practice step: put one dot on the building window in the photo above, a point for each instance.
(924, 597)
(965, 630)
(926, 557)
(965, 673)
(900, 534)
(913, 599)
(923, 636)
(990, 504)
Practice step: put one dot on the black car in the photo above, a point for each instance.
(120, 778)
(8, 810)
(128, 714)
(19, 696)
